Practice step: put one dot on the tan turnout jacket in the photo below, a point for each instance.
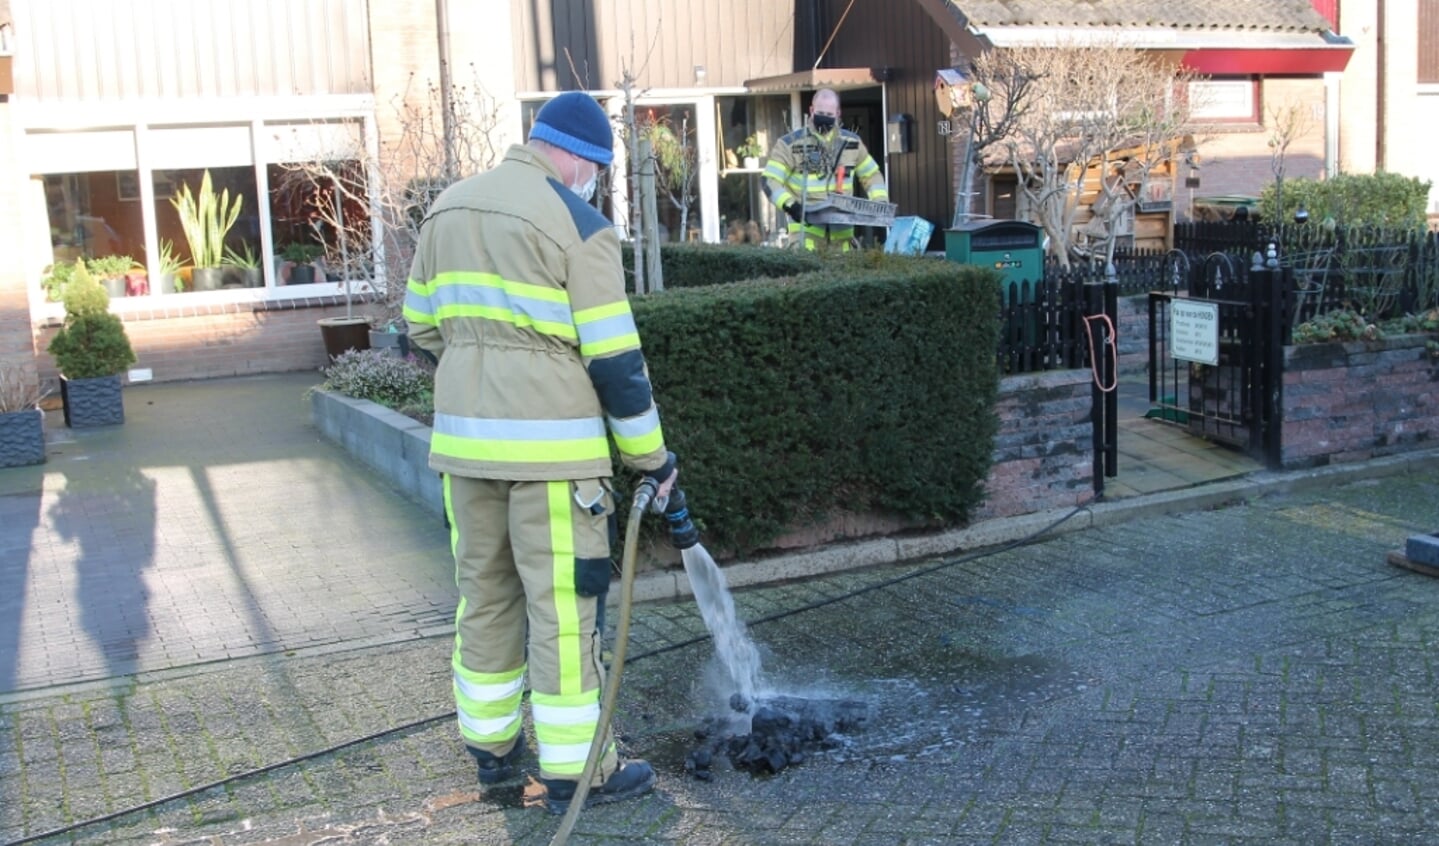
(517, 287)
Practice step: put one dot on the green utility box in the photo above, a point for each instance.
(1013, 247)
(1016, 249)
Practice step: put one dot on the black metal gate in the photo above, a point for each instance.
(1230, 393)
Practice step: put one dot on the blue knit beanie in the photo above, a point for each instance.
(573, 121)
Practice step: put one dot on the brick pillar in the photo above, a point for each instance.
(17, 343)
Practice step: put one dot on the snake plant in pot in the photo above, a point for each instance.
(91, 350)
(206, 219)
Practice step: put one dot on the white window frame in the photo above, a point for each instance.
(254, 115)
(1221, 90)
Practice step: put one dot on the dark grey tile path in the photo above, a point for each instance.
(1256, 674)
(233, 594)
(213, 524)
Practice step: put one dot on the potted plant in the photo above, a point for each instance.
(168, 282)
(91, 350)
(111, 270)
(206, 219)
(243, 268)
(22, 423)
(302, 261)
(56, 278)
(749, 152)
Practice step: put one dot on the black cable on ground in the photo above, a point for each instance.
(448, 715)
(224, 782)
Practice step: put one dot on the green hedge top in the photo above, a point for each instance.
(1351, 199)
(695, 265)
(867, 385)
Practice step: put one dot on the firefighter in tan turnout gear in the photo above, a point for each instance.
(517, 287)
(819, 159)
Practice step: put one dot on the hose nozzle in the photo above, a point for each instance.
(683, 533)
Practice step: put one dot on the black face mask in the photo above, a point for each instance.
(823, 123)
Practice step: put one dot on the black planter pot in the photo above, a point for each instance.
(92, 402)
(302, 274)
(22, 438)
(344, 333)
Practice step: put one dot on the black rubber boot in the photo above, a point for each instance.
(633, 778)
(494, 769)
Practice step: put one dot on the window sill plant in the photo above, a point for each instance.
(206, 219)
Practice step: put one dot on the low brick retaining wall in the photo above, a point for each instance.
(388, 442)
(1043, 453)
(1358, 400)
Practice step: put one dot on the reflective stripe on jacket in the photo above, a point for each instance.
(517, 287)
(805, 161)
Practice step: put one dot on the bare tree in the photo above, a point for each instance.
(367, 207)
(1108, 107)
(647, 271)
(996, 99)
(1287, 123)
(1144, 134)
(677, 162)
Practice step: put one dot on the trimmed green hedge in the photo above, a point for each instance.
(865, 386)
(695, 265)
(1352, 199)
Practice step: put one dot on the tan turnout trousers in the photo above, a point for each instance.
(518, 548)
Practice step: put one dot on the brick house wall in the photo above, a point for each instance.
(17, 350)
(208, 341)
(1237, 160)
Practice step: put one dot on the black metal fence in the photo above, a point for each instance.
(1042, 325)
(1379, 273)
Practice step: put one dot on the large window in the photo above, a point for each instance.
(294, 196)
(1234, 101)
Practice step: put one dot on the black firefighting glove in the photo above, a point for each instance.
(663, 472)
(794, 211)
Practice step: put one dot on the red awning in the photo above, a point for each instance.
(1268, 62)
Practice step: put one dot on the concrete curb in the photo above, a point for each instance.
(833, 558)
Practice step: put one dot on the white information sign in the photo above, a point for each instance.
(1195, 331)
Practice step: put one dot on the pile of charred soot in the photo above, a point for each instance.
(782, 730)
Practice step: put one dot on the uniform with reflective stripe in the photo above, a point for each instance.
(517, 287)
(805, 163)
(521, 582)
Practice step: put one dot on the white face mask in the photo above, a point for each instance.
(586, 191)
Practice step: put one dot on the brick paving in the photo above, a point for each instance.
(1255, 673)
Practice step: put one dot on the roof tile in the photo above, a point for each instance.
(1253, 15)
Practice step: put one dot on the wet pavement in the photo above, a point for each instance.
(212, 601)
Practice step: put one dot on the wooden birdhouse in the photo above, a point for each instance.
(952, 91)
